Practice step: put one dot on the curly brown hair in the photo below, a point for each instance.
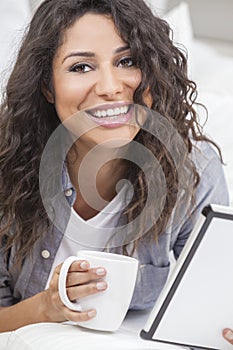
(27, 119)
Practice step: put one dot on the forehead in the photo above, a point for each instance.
(91, 32)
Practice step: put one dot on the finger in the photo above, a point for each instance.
(228, 335)
(77, 278)
(79, 265)
(79, 316)
(81, 291)
(57, 269)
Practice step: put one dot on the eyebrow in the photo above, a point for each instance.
(92, 54)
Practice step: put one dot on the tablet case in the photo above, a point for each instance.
(196, 302)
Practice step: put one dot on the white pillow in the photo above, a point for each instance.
(180, 22)
(213, 66)
(159, 7)
(14, 16)
(34, 4)
(219, 127)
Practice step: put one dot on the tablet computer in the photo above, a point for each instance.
(196, 302)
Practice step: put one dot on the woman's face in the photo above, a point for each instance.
(93, 71)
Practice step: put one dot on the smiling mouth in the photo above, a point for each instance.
(116, 112)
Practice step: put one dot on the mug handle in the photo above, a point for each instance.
(62, 284)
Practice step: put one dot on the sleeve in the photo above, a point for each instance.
(212, 189)
(6, 295)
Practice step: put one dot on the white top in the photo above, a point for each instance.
(92, 234)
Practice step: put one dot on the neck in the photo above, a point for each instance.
(94, 175)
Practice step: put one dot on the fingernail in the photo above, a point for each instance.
(101, 285)
(100, 272)
(92, 313)
(84, 265)
(229, 334)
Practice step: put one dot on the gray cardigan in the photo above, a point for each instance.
(154, 258)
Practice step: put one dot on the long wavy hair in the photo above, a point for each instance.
(27, 119)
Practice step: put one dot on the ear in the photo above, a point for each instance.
(48, 94)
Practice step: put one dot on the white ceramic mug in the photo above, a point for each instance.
(111, 304)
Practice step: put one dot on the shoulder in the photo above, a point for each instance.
(205, 156)
(211, 189)
(212, 182)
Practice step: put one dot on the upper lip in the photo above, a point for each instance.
(107, 106)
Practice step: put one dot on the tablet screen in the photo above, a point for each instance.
(197, 301)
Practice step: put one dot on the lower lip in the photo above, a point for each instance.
(113, 122)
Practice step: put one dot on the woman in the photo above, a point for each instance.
(112, 73)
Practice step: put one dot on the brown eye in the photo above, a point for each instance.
(80, 68)
(126, 62)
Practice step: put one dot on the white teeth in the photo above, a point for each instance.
(111, 112)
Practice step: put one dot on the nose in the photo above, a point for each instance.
(109, 83)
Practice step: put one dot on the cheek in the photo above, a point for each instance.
(133, 80)
(147, 98)
(68, 96)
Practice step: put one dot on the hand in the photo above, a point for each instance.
(228, 335)
(81, 282)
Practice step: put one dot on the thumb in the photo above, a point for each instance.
(228, 335)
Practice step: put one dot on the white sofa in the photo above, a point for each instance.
(210, 64)
(211, 67)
